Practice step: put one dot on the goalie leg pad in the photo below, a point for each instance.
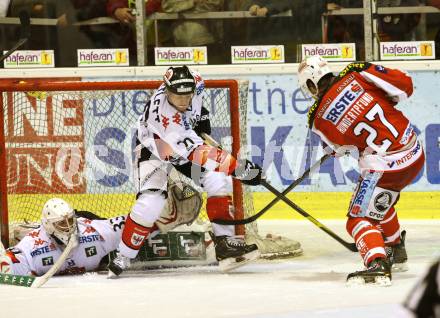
(184, 204)
(368, 239)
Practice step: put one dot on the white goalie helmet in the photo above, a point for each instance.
(310, 71)
(58, 219)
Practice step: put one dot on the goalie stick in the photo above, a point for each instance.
(280, 196)
(36, 282)
(24, 34)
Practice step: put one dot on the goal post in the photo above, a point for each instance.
(73, 139)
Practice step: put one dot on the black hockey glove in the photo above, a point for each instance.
(204, 124)
(248, 173)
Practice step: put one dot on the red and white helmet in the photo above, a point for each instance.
(310, 71)
(58, 219)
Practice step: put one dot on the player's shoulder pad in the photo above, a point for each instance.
(200, 83)
(354, 67)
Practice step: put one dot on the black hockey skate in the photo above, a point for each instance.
(233, 252)
(397, 255)
(378, 272)
(118, 263)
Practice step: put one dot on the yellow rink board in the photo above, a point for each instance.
(334, 205)
(321, 205)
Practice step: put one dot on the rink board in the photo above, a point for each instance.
(321, 205)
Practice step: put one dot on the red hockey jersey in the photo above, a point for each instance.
(358, 109)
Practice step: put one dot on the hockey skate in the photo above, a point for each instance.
(117, 265)
(378, 272)
(233, 252)
(397, 255)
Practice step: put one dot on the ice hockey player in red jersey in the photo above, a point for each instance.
(355, 111)
(169, 134)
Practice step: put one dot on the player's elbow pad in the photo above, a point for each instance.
(213, 159)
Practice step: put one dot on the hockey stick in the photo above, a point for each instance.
(351, 246)
(254, 217)
(24, 36)
(280, 196)
(40, 281)
(276, 199)
(36, 282)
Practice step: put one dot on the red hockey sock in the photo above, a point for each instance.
(219, 208)
(390, 228)
(368, 238)
(134, 234)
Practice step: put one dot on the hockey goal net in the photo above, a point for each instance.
(73, 139)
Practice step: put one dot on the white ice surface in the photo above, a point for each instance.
(312, 285)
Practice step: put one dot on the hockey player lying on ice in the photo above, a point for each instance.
(355, 111)
(39, 249)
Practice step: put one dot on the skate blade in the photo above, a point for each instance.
(399, 267)
(381, 281)
(229, 264)
(111, 275)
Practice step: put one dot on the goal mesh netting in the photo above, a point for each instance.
(74, 140)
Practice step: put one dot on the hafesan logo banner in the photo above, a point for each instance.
(411, 50)
(337, 52)
(257, 54)
(30, 59)
(180, 55)
(103, 57)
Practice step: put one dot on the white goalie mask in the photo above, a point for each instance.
(310, 71)
(58, 219)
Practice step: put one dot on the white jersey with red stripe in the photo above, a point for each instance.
(37, 251)
(169, 134)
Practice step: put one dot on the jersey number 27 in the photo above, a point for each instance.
(376, 112)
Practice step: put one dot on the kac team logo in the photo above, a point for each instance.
(382, 201)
